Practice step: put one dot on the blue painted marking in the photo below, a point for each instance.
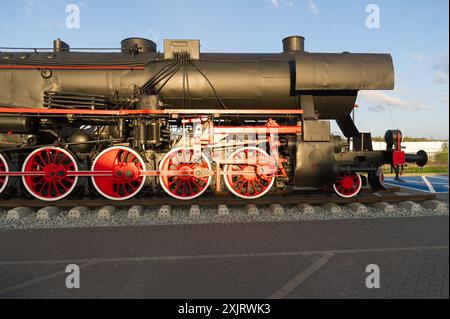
(439, 183)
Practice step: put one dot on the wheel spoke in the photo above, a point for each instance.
(43, 162)
(174, 179)
(347, 184)
(52, 185)
(204, 180)
(196, 184)
(255, 190)
(241, 178)
(130, 185)
(63, 158)
(178, 186)
(124, 189)
(55, 186)
(49, 189)
(259, 182)
(183, 191)
(62, 185)
(242, 186)
(245, 182)
(124, 157)
(42, 187)
(181, 181)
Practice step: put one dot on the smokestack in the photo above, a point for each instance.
(294, 44)
(60, 46)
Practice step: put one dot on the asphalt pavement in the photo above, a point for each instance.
(306, 259)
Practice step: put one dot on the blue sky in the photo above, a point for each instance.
(414, 32)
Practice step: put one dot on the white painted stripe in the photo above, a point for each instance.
(406, 187)
(411, 188)
(301, 277)
(430, 187)
(221, 256)
(41, 279)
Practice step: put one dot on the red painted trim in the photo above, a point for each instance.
(67, 67)
(256, 130)
(24, 110)
(236, 111)
(77, 111)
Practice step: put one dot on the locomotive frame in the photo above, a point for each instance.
(204, 139)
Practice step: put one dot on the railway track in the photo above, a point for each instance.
(392, 195)
(98, 212)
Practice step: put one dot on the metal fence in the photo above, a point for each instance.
(437, 163)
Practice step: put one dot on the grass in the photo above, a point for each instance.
(423, 170)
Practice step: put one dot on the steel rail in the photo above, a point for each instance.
(389, 196)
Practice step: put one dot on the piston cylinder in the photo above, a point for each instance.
(17, 124)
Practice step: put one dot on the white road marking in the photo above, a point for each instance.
(222, 256)
(301, 277)
(41, 279)
(430, 187)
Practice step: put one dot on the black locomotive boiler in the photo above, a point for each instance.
(135, 120)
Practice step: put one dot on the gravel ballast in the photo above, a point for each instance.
(180, 215)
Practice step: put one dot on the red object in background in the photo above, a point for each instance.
(398, 158)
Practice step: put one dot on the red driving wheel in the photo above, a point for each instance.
(3, 168)
(183, 177)
(254, 177)
(347, 185)
(52, 181)
(126, 166)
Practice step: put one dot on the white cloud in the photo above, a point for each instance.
(29, 7)
(417, 56)
(275, 3)
(379, 101)
(312, 6)
(441, 68)
(444, 100)
(279, 3)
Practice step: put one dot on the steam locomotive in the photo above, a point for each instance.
(136, 121)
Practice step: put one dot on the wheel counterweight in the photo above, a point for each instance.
(126, 167)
